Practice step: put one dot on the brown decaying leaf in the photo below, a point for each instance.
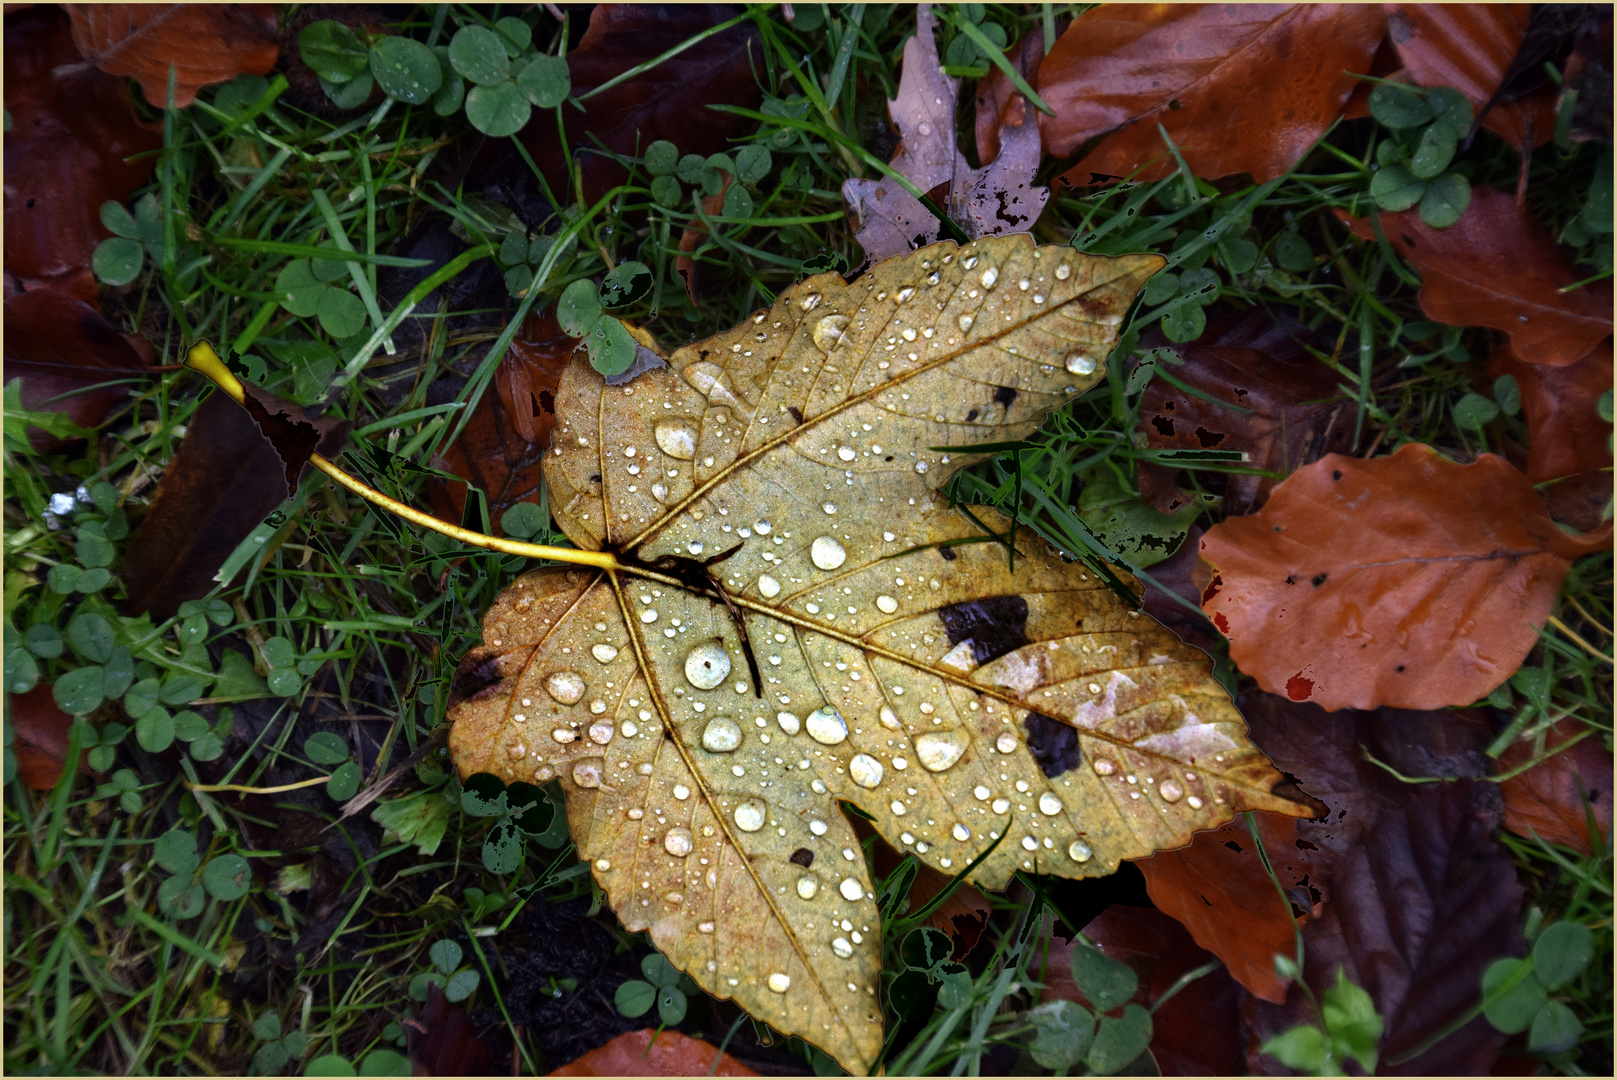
(72, 132)
(1409, 581)
(920, 680)
(684, 265)
(503, 443)
(444, 1042)
(1422, 897)
(1254, 363)
(1240, 88)
(1588, 74)
(39, 729)
(1498, 267)
(669, 101)
(1549, 798)
(995, 92)
(997, 199)
(1470, 47)
(1194, 1033)
(205, 43)
(60, 347)
(225, 478)
(1565, 432)
(1217, 889)
(655, 1053)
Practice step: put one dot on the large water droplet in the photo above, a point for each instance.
(565, 686)
(990, 276)
(887, 604)
(768, 587)
(818, 827)
(1104, 767)
(601, 733)
(961, 833)
(937, 750)
(750, 815)
(807, 886)
(828, 332)
(846, 452)
(865, 770)
(721, 736)
(811, 301)
(1001, 805)
(789, 722)
(851, 889)
(1170, 791)
(604, 653)
(587, 774)
(707, 665)
(1194, 803)
(1006, 743)
(1080, 364)
(564, 734)
(1078, 851)
(1049, 805)
(676, 438)
(841, 947)
(827, 553)
(678, 841)
(905, 294)
(780, 982)
(681, 792)
(889, 719)
(965, 322)
(825, 725)
(1063, 272)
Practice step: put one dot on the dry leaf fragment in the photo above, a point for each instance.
(672, 1053)
(997, 199)
(40, 729)
(1470, 47)
(1240, 88)
(1409, 581)
(1498, 267)
(797, 617)
(1565, 431)
(206, 43)
(1549, 798)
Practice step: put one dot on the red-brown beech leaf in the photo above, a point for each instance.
(672, 1054)
(1498, 267)
(1216, 887)
(670, 101)
(995, 92)
(205, 43)
(1409, 580)
(1549, 798)
(444, 1042)
(1422, 897)
(501, 447)
(1470, 47)
(228, 474)
(1566, 434)
(39, 731)
(73, 133)
(1287, 407)
(1194, 1033)
(61, 347)
(1240, 88)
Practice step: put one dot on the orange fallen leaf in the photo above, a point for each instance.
(502, 445)
(1217, 888)
(205, 43)
(39, 729)
(1564, 427)
(673, 1054)
(73, 144)
(1498, 267)
(1240, 88)
(1408, 581)
(1470, 47)
(1549, 798)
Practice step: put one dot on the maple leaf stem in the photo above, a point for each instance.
(203, 359)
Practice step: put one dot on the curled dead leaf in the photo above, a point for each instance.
(205, 43)
(1555, 797)
(1239, 87)
(1561, 404)
(1409, 581)
(794, 616)
(1498, 267)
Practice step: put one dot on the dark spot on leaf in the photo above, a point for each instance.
(1305, 845)
(1336, 474)
(479, 670)
(972, 415)
(994, 625)
(1005, 396)
(1209, 438)
(1212, 588)
(1169, 405)
(1164, 425)
(1233, 846)
(1054, 744)
(803, 857)
(1400, 669)
(1290, 580)
(1318, 580)
(1299, 688)
(797, 414)
(948, 554)
(595, 478)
